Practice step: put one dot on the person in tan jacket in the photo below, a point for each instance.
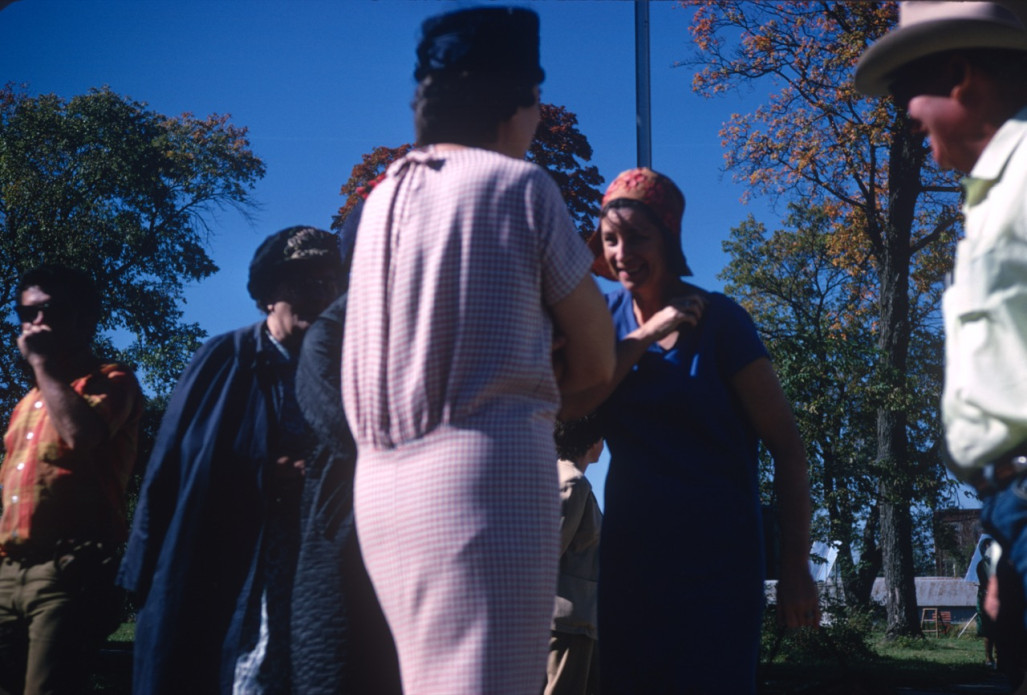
(571, 667)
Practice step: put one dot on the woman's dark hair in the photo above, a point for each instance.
(466, 108)
(621, 203)
(71, 287)
(575, 437)
(676, 261)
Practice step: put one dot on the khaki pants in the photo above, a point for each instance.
(571, 666)
(46, 631)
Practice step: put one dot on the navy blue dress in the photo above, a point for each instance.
(681, 558)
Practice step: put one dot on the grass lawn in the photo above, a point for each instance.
(125, 633)
(934, 662)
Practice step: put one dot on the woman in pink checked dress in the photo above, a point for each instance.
(465, 262)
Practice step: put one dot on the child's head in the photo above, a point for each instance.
(579, 440)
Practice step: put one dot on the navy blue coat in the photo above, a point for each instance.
(341, 643)
(192, 554)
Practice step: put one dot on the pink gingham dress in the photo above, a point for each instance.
(449, 390)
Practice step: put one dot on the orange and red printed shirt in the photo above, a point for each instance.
(52, 492)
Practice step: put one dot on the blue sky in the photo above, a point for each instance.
(321, 82)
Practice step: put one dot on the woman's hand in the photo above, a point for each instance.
(289, 468)
(287, 479)
(685, 311)
(37, 342)
(798, 603)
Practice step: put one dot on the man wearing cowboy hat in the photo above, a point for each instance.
(959, 70)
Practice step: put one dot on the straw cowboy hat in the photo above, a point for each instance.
(933, 27)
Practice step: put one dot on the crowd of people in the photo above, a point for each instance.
(363, 492)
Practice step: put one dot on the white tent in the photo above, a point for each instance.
(971, 571)
(828, 552)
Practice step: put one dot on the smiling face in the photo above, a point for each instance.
(634, 249)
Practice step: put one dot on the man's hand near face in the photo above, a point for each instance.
(37, 341)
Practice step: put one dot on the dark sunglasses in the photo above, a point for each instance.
(27, 313)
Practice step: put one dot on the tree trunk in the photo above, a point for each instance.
(897, 553)
(893, 464)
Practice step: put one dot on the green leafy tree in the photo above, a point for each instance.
(816, 141)
(101, 182)
(559, 148)
(817, 316)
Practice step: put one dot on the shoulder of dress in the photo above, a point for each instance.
(518, 168)
(722, 303)
(616, 297)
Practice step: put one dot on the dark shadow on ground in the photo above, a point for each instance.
(881, 676)
(113, 672)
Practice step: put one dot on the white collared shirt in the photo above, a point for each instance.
(984, 404)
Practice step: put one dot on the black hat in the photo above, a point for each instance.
(483, 39)
(289, 248)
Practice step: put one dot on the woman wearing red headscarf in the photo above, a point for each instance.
(681, 562)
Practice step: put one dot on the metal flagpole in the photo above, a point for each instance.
(643, 119)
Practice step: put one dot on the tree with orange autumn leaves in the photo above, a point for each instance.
(559, 148)
(364, 177)
(879, 218)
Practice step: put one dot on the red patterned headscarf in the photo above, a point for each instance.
(662, 199)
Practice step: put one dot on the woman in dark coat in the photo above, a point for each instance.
(210, 558)
(340, 641)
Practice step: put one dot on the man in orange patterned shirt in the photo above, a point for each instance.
(70, 448)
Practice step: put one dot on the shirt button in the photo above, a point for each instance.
(21, 466)
(30, 435)
(14, 498)
(38, 404)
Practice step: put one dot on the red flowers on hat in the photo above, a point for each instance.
(653, 189)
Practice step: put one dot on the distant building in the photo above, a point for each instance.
(950, 594)
(953, 595)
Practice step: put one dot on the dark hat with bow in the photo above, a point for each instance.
(480, 40)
